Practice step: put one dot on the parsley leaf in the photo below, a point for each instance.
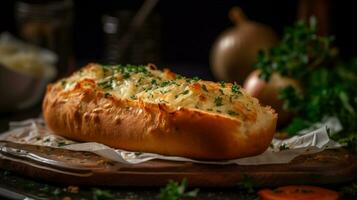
(99, 194)
(204, 88)
(246, 184)
(182, 93)
(196, 79)
(236, 88)
(175, 191)
(106, 84)
(222, 84)
(232, 113)
(218, 101)
(328, 84)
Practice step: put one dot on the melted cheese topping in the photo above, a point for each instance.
(145, 83)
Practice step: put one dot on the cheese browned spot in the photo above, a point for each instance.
(144, 83)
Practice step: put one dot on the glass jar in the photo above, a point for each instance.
(48, 24)
(143, 47)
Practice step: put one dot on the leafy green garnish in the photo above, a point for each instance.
(299, 51)
(204, 88)
(153, 82)
(64, 83)
(247, 184)
(218, 101)
(328, 85)
(349, 191)
(283, 147)
(99, 194)
(106, 84)
(106, 95)
(221, 91)
(175, 191)
(164, 83)
(195, 78)
(223, 84)
(235, 88)
(182, 93)
(232, 113)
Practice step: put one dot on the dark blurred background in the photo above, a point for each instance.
(189, 28)
(178, 34)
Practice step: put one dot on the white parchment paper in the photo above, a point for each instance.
(312, 140)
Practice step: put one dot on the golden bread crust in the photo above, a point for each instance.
(87, 114)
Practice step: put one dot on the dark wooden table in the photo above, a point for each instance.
(15, 186)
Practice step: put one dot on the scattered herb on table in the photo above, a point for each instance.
(174, 191)
(247, 184)
(99, 194)
(349, 191)
(283, 147)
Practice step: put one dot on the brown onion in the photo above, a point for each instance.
(267, 92)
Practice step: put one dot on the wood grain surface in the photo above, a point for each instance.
(84, 168)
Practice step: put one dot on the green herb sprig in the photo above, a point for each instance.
(299, 51)
(329, 85)
(174, 191)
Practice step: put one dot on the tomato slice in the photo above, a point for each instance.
(298, 192)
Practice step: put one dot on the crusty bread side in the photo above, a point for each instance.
(87, 114)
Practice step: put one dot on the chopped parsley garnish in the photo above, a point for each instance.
(106, 68)
(125, 70)
(185, 92)
(204, 88)
(223, 84)
(178, 76)
(221, 91)
(107, 84)
(64, 83)
(182, 93)
(163, 101)
(140, 79)
(196, 78)
(175, 191)
(247, 184)
(131, 68)
(218, 101)
(106, 95)
(154, 82)
(133, 97)
(126, 75)
(164, 91)
(235, 88)
(102, 194)
(147, 89)
(138, 153)
(232, 113)
(188, 80)
(61, 143)
(283, 147)
(165, 83)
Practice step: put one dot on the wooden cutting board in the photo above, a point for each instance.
(84, 168)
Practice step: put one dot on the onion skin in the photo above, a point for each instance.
(267, 92)
(235, 50)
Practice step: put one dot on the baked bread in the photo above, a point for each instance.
(140, 108)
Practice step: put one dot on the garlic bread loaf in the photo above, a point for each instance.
(140, 108)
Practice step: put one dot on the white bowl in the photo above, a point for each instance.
(19, 91)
